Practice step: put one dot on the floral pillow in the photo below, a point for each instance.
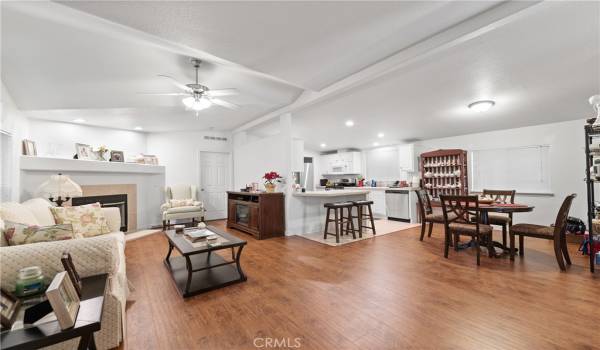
(87, 220)
(17, 234)
(181, 203)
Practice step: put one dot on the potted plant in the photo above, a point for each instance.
(270, 179)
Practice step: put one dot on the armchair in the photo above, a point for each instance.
(181, 202)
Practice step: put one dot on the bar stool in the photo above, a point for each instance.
(339, 219)
(362, 216)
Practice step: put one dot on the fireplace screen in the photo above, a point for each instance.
(115, 200)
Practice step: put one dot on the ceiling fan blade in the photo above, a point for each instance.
(221, 92)
(225, 104)
(164, 94)
(176, 83)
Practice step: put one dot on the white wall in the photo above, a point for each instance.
(16, 125)
(56, 139)
(567, 163)
(179, 153)
(252, 158)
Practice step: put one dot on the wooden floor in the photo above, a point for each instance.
(391, 292)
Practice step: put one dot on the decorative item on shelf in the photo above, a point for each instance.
(67, 263)
(30, 281)
(29, 148)
(83, 152)
(117, 156)
(10, 308)
(59, 189)
(100, 153)
(64, 300)
(271, 179)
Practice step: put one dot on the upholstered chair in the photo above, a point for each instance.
(181, 202)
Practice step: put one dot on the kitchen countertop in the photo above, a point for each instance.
(331, 193)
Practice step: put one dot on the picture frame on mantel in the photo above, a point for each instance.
(117, 156)
(29, 148)
(84, 152)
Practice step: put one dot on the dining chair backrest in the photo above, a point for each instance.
(424, 202)
(463, 208)
(560, 225)
(504, 196)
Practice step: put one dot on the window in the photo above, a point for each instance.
(524, 169)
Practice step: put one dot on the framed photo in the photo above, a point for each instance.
(84, 151)
(67, 263)
(29, 148)
(64, 300)
(10, 308)
(150, 159)
(117, 156)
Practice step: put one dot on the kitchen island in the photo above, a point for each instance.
(307, 213)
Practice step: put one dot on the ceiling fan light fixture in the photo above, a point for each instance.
(196, 104)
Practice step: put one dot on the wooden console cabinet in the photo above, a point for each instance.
(259, 214)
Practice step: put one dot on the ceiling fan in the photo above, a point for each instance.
(198, 96)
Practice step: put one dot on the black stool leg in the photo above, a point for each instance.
(351, 222)
(337, 224)
(326, 223)
(359, 218)
(371, 218)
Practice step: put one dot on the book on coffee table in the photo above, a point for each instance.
(196, 235)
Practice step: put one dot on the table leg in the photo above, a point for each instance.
(169, 253)
(237, 263)
(188, 264)
(87, 342)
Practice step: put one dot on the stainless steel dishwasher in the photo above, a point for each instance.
(397, 204)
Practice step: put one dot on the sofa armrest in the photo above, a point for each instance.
(113, 218)
(91, 256)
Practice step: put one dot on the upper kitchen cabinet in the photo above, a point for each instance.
(406, 157)
(341, 163)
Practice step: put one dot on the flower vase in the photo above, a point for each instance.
(270, 187)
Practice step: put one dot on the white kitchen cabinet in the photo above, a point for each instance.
(406, 157)
(378, 198)
(341, 163)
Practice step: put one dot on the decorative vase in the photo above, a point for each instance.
(270, 187)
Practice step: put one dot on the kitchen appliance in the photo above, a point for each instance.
(397, 204)
(307, 176)
(346, 182)
(323, 182)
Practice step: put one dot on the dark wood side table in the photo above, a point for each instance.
(88, 322)
(198, 270)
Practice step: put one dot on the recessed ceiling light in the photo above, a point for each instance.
(323, 145)
(349, 123)
(380, 135)
(482, 106)
(375, 144)
(78, 120)
(138, 128)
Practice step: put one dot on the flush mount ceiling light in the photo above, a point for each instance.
(380, 135)
(349, 123)
(138, 128)
(323, 145)
(78, 120)
(481, 106)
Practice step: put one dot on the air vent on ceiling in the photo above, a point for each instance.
(215, 138)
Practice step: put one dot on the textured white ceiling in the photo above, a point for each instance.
(540, 68)
(310, 44)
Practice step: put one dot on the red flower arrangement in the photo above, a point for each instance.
(272, 177)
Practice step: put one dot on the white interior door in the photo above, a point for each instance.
(214, 182)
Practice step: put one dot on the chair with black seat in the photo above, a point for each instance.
(426, 212)
(503, 220)
(339, 219)
(458, 211)
(556, 233)
(362, 215)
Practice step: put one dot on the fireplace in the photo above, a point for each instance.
(113, 200)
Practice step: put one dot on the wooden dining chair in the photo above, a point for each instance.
(556, 233)
(503, 220)
(457, 211)
(426, 212)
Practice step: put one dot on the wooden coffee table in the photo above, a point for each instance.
(197, 270)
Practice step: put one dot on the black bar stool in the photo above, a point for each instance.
(339, 219)
(363, 215)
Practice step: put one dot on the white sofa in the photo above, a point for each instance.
(91, 256)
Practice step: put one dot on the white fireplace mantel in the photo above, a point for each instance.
(32, 163)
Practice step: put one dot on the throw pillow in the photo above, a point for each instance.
(18, 234)
(87, 220)
(181, 203)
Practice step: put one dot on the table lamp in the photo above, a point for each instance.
(59, 189)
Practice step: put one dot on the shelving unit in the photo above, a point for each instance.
(591, 133)
(444, 172)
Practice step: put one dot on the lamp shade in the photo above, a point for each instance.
(60, 186)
